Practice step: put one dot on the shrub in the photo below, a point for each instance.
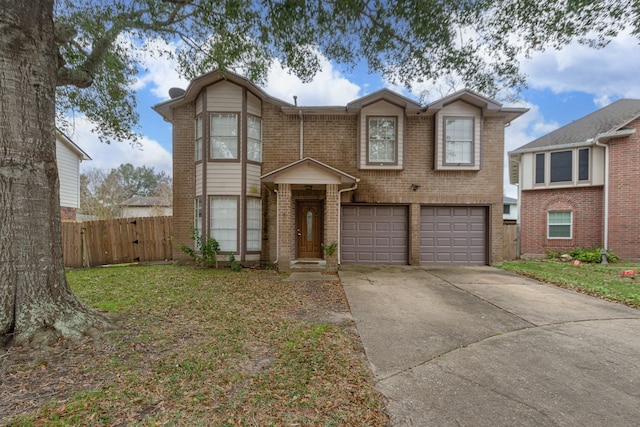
(205, 252)
(591, 256)
(233, 264)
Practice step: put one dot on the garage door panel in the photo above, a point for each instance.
(453, 235)
(380, 236)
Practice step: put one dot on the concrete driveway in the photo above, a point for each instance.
(477, 346)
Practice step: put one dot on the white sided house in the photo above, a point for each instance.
(68, 158)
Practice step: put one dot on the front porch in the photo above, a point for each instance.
(308, 214)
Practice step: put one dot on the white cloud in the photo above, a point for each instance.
(329, 87)
(159, 69)
(607, 73)
(109, 156)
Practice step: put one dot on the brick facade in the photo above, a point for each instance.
(624, 197)
(585, 203)
(67, 213)
(333, 139)
(588, 207)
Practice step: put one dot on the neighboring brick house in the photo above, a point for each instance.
(578, 185)
(388, 180)
(68, 159)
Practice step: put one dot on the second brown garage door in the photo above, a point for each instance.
(374, 234)
(453, 235)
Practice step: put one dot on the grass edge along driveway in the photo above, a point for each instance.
(200, 347)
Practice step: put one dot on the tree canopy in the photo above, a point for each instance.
(478, 43)
(102, 192)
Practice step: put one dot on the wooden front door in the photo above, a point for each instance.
(309, 229)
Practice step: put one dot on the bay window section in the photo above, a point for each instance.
(382, 140)
(198, 141)
(559, 225)
(197, 217)
(254, 224)
(254, 139)
(224, 222)
(224, 136)
(458, 141)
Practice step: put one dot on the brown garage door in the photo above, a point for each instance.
(374, 234)
(453, 235)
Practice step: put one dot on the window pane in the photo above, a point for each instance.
(198, 141)
(197, 216)
(458, 140)
(254, 224)
(559, 224)
(506, 209)
(254, 139)
(583, 164)
(224, 222)
(561, 169)
(224, 136)
(382, 139)
(540, 168)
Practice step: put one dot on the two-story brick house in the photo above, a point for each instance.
(578, 184)
(385, 178)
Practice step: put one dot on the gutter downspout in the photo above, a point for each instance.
(340, 215)
(605, 236)
(597, 141)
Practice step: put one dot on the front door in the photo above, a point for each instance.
(309, 229)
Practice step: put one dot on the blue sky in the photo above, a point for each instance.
(563, 86)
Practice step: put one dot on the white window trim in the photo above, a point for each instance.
(570, 224)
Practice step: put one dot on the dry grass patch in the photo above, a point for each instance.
(200, 347)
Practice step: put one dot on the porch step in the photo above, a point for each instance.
(308, 265)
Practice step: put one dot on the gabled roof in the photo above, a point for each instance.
(386, 95)
(321, 172)
(197, 84)
(487, 105)
(611, 118)
(71, 145)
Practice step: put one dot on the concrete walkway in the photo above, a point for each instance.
(477, 346)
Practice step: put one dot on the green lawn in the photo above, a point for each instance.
(605, 281)
(204, 347)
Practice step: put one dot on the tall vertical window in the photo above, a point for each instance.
(224, 136)
(559, 225)
(254, 224)
(198, 141)
(197, 216)
(540, 168)
(561, 166)
(224, 222)
(583, 164)
(254, 139)
(382, 140)
(458, 148)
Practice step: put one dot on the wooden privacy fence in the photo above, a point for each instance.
(509, 241)
(116, 241)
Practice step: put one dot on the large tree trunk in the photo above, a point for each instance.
(36, 303)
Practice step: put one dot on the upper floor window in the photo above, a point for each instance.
(198, 139)
(254, 139)
(567, 166)
(458, 140)
(506, 209)
(224, 136)
(382, 140)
